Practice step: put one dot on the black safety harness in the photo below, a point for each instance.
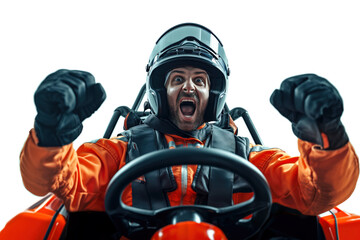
(151, 191)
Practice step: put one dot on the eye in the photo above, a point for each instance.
(199, 81)
(178, 79)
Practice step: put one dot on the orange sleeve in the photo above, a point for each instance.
(78, 177)
(313, 183)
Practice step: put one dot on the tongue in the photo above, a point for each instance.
(187, 110)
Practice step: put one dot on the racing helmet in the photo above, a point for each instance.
(187, 44)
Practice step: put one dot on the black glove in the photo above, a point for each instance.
(314, 106)
(63, 100)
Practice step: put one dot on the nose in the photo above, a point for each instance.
(188, 86)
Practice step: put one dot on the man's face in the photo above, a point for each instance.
(187, 95)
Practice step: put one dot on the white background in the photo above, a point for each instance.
(266, 42)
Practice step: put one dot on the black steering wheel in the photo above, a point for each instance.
(230, 219)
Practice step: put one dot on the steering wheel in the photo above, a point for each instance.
(230, 219)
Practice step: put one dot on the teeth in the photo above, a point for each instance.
(188, 100)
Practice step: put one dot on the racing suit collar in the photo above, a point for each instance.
(167, 127)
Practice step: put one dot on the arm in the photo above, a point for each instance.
(326, 172)
(313, 183)
(79, 178)
(48, 161)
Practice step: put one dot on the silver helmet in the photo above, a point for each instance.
(187, 44)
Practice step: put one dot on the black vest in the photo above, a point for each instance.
(152, 192)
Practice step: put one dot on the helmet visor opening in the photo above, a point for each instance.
(160, 73)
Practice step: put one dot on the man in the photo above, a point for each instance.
(187, 94)
(186, 85)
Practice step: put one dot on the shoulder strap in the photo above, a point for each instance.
(147, 194)
(225, 182)
(220, 179)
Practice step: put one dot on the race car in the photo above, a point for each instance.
(256, 218)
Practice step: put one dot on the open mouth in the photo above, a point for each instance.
(187, 107)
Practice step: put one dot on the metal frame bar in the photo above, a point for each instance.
(235, 114)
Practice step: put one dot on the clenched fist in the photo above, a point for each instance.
(314, 106)
(63, 100)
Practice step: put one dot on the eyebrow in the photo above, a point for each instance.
(182, 72)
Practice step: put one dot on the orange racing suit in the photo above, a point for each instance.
(312, 183)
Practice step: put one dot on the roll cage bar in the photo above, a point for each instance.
(123, 111)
